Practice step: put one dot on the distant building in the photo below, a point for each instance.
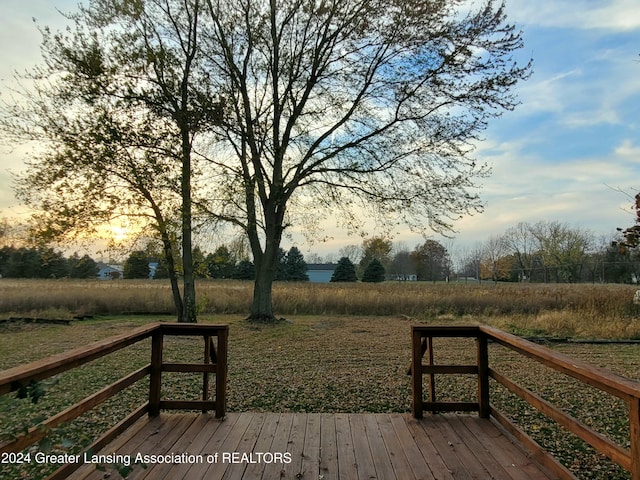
(110, 272)
(320, 272)
(153, 266)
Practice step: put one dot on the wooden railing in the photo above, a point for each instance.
(215, 362)
(604, 380)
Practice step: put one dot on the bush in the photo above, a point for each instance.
(345, 271)
(374, 273)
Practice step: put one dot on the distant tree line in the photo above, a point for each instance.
(224, 263)
(555, 252)
(44, 262)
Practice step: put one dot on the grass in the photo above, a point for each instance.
(584, 311)
(333, 361)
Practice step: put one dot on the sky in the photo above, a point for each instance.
(570, 152)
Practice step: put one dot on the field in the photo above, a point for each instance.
(579, 311)
(328, 357)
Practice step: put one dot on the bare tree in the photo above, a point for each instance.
(493, 252)
(523, 244)
(353, 106)
(120, 101)
(563, 249)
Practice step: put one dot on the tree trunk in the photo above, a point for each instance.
(189, 294)
(265, 263)
(173, 276)
(262, 306)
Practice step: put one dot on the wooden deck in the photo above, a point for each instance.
(319, 447)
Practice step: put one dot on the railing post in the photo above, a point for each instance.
(155, 381)
(432, 376)
(484, 408)
(221, 372)
(416, 372)
(634, 435)
(205, 375)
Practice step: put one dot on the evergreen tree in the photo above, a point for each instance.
(137, 265)
(295, 267)
(374, 272)
(162, 272)
(82, 267)
(281, 267)
(221, 263)
(345, 271)
(245, 270)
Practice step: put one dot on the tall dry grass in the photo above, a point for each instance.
(604, 311)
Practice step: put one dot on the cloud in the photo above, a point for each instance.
(627, 150)
(619, 15)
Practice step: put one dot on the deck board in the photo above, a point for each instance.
(327, 446)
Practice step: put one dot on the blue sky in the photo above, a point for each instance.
(560, 155)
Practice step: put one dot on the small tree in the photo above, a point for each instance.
(220, 263)
(137, 265)
(374, 273)
(631, 235)
(295, 267)
(345, 271)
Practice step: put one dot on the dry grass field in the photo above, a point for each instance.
(566, 310)
(327, 357)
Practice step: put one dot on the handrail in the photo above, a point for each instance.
(600, 378)
(13, 378)
(215, 361)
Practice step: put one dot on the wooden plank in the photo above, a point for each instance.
(450, 406)
(328, 448)
(446, 449)
(119, 434)
(433, 458)
(11, 379)
(484, 407)
(221, 373)
(295, 447)
(539, 454)
(192, 329)
(601, 378)
(444, 331)
(381, 460)
(145, 441)
(263, 444)
(214, 442)
(453, 443)
(344, 446)
(347, 467)
(279, 446)
(181, 445)
(512, 458)
(36, 433)
(416, 373)
(311, 453)
(197, 438)
(407, 443)
(163, 444)
(187, 405)
(395, 452)
(361, 450)
(476, 450)
(240, 438)
(432, 378)
(596, 440)
(155, 380)
(634, 436)
(188, 367)
(450, 369)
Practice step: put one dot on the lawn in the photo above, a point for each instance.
(338, 363)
